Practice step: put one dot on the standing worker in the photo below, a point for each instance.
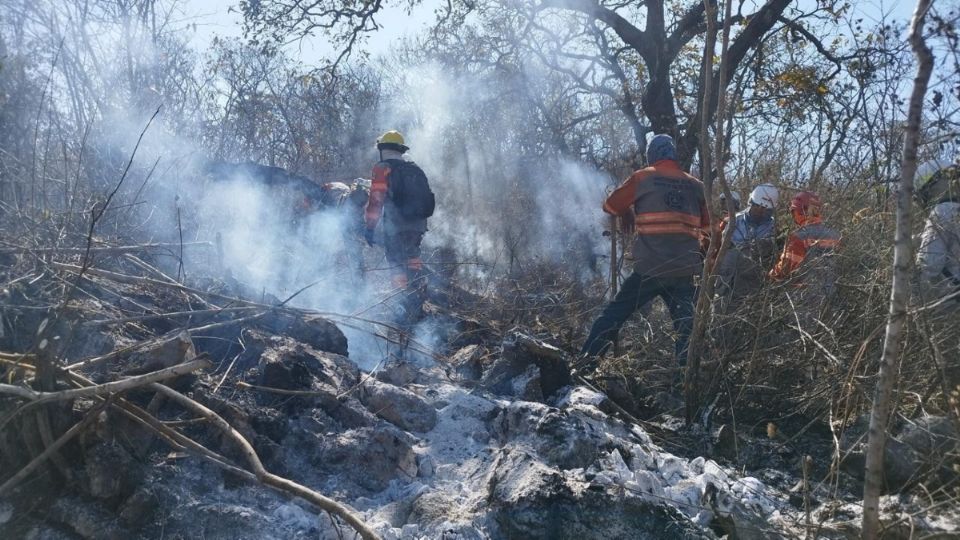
(400, 194)
(668, 212)
(938, 258)
(807, 258)
(938, 261)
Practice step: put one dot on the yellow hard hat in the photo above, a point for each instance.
(392, 138)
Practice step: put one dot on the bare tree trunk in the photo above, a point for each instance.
(900, 292)
(614, 258)
(717, 246)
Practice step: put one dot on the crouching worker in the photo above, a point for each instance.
(743, 270)
(400, 195)
(807, 260)
(668, 211)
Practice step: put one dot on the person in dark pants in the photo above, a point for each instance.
(668, 211)
(677, 293)
(400, 194)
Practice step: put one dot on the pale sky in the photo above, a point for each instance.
(214, 17)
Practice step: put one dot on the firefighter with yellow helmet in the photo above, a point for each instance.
(399, 205)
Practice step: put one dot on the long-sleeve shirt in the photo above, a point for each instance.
(669, 212)
(744, 267)
(379, 185)
(746, 232)
(808, 249)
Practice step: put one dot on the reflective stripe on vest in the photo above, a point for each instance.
(668, 228)
(667, 218)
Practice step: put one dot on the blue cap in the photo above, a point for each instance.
(661, 147)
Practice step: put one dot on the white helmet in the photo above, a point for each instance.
(765, 195)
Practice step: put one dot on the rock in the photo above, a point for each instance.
(526, 385)
(284, 370)
(398, 373)
(289, 365)
(369, 457)
(935, 442)
(912, 454)
(460, 531)
(317, 332)
(532, 501)
(468, 362)
(400, 407)
(173, 350)
(585, 400)
(425, 466)
(349, 412)
(410, 531)
(562, 440)
(269, 423)
(521, 353)
(554, 370)
(397, 513)
(235, 415)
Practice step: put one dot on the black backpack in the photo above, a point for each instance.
(410, 191)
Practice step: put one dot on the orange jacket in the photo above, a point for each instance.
(669, 215)
(810, 236)
(378, 194)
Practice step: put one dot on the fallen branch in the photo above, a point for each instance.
(261, 473)
(16, 364)
(338, 317)
(138, 280)
(283, 391)
(113, 354)
(171, 315)
(102, 250)
(16, 356)
(157, 272)
(223, 324)
(106, 388)
(823, 348)
(46, 454)
(136, 346)
(38, 398)
(181, 442)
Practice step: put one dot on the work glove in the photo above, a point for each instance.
(368, 236)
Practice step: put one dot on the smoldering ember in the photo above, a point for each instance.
(487, 269)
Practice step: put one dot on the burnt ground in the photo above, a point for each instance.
(481, 434)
